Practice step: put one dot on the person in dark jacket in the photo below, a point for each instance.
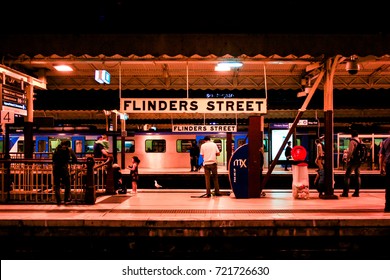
(118, 179)
(287, 153)
(353, 165)
(61, 159)
(194, 156)
(100, 147)
(384, 163)
(135, 161)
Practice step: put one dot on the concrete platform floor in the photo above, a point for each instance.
(171, 224)
(165, 204)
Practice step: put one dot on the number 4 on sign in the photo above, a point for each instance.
(7, 117)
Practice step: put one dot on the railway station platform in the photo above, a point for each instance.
(178, 224)
(182, 178)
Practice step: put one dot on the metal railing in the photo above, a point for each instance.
(31, 180)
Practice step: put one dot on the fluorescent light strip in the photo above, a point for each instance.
(63, 68)
(231, 64)
(227, 65)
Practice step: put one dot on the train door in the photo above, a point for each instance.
(367, 165)
(78, 143)
(375, 149)
(221, 143)
(42, 144)
(239, 140)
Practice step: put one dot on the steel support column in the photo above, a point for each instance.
(329, 128)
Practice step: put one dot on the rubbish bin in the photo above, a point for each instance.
(300, 173)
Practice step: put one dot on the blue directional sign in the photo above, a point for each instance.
(102, 76)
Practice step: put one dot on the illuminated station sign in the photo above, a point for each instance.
(13, 99)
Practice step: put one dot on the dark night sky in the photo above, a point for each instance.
(120, 16)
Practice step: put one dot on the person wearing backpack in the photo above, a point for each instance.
(61, 157)
(353, 165)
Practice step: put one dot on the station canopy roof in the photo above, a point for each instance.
(187, 61)
(141, 63)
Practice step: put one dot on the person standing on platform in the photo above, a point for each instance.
(194, 157)
(134, 176)
(287, 154)
(209, 151)
(100, 147)
(105, 143)
(384, 163)
(319, 161)
(261, 163)
(61, 157)
(353, 165)
(118, 179)
(320, 154)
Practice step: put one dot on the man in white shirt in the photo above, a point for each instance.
(209, 151)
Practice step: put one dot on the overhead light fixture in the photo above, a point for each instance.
(227, 65)
(63, 68)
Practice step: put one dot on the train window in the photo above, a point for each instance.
(55, 142)
(21, 146)
(265, 145)
(183, 145)
(241, 142)
(129, 146)
(219, 144)
(155, 146)
(78, 146)
(88, 145)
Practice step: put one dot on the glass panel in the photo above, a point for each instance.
(129, 146)
(53, 143)
(241, 142)
(155, 146)
(21, 146)
(183, 145)
(89, 146)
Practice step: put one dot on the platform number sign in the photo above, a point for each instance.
(7, 117)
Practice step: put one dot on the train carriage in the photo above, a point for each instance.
(164, 150)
